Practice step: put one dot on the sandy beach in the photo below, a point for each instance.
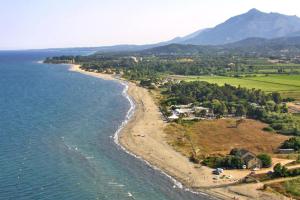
(76, 68)
(143, 136)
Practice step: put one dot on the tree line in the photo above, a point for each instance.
(237, 101)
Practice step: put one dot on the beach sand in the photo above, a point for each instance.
(143, 136)
(76, 68)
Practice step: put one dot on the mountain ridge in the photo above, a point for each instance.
(254, 23)
(255, 45)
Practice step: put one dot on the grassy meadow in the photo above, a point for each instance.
(287, 85)
(297, 116)
(289, 188)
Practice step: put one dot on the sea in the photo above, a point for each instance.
(57, 132)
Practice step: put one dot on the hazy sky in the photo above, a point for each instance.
(73, 23)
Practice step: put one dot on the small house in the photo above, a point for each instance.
(286, 151)
(184, 111)
(184, 106)
(249, 158)
(173, 117)
(200, 108)
(251, 161)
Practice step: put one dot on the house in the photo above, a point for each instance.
(255, 105)
(134, 59)
(188, 112)
(286, 151)
(249, 158)
(173, 117)
(251, 161)
(200, 108)
(184, 106)
(231, 64)
(184, 111)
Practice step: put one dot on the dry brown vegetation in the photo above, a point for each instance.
(220, 136)
(294, 108)
(289, 188)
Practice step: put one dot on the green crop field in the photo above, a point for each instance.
(287, 85)
(274, 71)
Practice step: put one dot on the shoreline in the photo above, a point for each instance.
(118, 135)
(123, 135)
(141, 135)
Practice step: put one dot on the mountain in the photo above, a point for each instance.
(284, 42)
(176, 49)
(250, 46)
(254, 23)
(294, 34)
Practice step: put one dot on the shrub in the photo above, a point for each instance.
(265, 159)
(145, 83)
(229, 162)
(194, 159)
(280, 171)
(292, 143)
(268, 129)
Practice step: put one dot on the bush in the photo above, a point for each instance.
(194, 159)
(280, 171)
(277, 126)
(288, 99)
(292, 143)
(265, 159)
(268, 129)
(145, 83)
(294, 172)
(212, 162)
(229, 162)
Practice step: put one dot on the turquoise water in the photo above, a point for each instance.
(55, 136)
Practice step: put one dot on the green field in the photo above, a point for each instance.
(297, 116)
(287, 85)
(289, 188)
(274, 71)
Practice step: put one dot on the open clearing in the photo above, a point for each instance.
(287, 85)
(220, 136)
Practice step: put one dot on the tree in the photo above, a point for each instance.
(277, 170)
(276, 97)
(234, 162)
(265, 159)
(284, 171)
(292, 143)
(219, 107)
(240, 110)
(193, 157)
(298, 159)
(146, 83)
(280, 171)
(202, 113)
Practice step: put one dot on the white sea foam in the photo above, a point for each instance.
(130, 113)
(75, 149)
